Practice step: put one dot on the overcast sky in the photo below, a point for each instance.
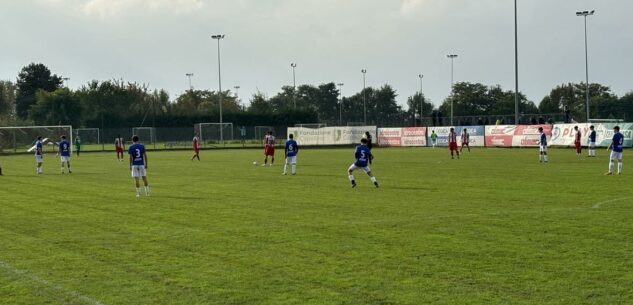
(157, 42)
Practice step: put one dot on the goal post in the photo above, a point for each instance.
(88, 135)
(18, 139)
(214, 132)
(147, 135)
(260, 131)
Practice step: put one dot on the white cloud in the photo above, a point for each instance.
(410, 6)
(113, 8)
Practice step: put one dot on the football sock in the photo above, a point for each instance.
(545, 158)
(138, 191)
(285, 168)
(147, 190)
(351, 178)
(611, 167)
(619, 167)
(373, 179)
(294, 169)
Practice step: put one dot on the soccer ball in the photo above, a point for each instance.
(255, 163)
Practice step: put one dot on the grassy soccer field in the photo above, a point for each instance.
(495, 227)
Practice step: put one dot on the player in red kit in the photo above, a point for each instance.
(196, 147)
(452, 143)
(269, 148)
(577, 141)
(119, 145)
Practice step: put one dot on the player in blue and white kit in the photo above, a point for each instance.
(64, 153)
(362, 155)
(617, 146)
(291, 151)
(138, 165)
(592, 141)
(542, 146)
(39, 154)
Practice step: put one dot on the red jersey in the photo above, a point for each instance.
(577, 140)
(452, 137)
(465, 138)
(269, 140)
(196, 143)
(118, 143)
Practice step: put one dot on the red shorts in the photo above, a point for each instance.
(269, 150)
(119, 149)
(196, 150)
(452, 146)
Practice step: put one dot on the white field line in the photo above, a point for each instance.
(599, 204)
(38, 280)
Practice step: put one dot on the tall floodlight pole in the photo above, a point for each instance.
(516, 65)
(585, 14)
(452, 57)
(364, 71)
(294, 84)
(218, 38)
(340, 105)
(421, 76)
(189, 75)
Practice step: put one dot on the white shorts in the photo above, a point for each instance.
(291, 160)
(39, 158)
(592, 144)
(542, 148)
(353, 167)
(616, 155)
(138, 171)
(65, 158)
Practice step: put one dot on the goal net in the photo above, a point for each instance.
(260, 131)
(88, 135)
(214, 132)
(147, 135)
(21, 139)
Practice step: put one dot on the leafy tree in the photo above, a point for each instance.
(32, 78)
(7, 100)
(61, 107)
(260, 104)
(572, 97)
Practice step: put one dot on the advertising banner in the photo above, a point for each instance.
(564, 134)
(343, 135)
(442, 135)
(477, 135)
(500, 135)
(408, 137)
(389, 136)
(529, 136)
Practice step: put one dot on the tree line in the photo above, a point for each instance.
(38, 97)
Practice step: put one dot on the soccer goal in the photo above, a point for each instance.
(214, 132)
(21, 138)
(260, 131)
(88, 135)
(313, 125)
(147, 135)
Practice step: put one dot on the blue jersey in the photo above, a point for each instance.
(137, 151)
(362, 155)
(64, 148)
(618, 142)
(592, 136)
(543, 139)
(38, 148)
(291, 148)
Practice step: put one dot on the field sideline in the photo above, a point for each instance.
(495, 227)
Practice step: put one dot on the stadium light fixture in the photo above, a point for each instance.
(218, 38)
(340, 105)
(421, 76)
(364, 71)
(584, 14)
(189, 75)
(452, 58)
(65, 81)
(294, 84)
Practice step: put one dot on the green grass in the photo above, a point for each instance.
(495, 227)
